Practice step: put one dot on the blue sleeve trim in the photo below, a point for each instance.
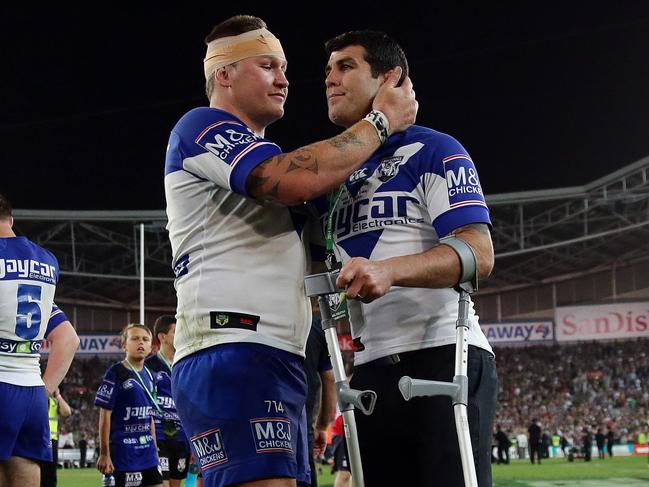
(173, 159)
(245, 166)
(458, 217)
(56, 318)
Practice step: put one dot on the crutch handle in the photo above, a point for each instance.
(321, 284)
(418, 387)
(366, 402)
(362, 400)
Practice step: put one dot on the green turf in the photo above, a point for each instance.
(619, 471)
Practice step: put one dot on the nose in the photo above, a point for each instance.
(280, 79)
(331, 79)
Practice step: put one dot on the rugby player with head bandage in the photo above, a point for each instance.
(239, 259)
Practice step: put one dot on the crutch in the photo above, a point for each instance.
(322, 285)
(458, 390)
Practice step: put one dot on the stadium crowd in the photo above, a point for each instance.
(566, 387)
(571, 387)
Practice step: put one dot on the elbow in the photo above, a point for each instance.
(73, 342)
(72, 337)
(485, 266)
(298, 195)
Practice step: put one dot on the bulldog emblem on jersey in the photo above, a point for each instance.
(389, 167)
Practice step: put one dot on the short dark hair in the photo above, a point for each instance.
(5, 207)
(382, 52)
(233, 26)
(162, 324)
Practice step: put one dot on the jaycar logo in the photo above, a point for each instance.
(24, 268)
(382, 210)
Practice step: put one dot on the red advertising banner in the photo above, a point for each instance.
(602, 321)
(640, 449)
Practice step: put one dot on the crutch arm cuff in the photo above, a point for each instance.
(468, 261)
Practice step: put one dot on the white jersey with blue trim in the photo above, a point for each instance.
(28, 276)
(239, 263)
(416, 188)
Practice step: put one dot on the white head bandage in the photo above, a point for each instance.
(228, 50)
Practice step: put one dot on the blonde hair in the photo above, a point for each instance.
(124, 334)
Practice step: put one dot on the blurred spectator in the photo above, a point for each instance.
(545, 445)
(534, 441)
(521, 444)
(587, 442)
(600, 439)
(83, 450)
(504, 443)
(610, 440)
(57, 408)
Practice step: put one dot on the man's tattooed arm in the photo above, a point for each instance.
(275, 177)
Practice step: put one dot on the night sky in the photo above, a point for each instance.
(541, 95)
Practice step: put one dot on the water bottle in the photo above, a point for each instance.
(108, 480)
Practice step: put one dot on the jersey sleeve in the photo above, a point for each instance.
(215, 146)
(452, 187)
(57, 316)
(107, 391)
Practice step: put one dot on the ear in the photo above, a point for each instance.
(223, 76)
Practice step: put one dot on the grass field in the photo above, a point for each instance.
(619, 471)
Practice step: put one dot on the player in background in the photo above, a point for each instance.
(173, 449)
(127, 400)
(28, 277)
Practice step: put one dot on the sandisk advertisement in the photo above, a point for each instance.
(602, 321)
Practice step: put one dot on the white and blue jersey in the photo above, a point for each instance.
(239, 263)
(28, 277)
(416, 188)
(131, 440)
